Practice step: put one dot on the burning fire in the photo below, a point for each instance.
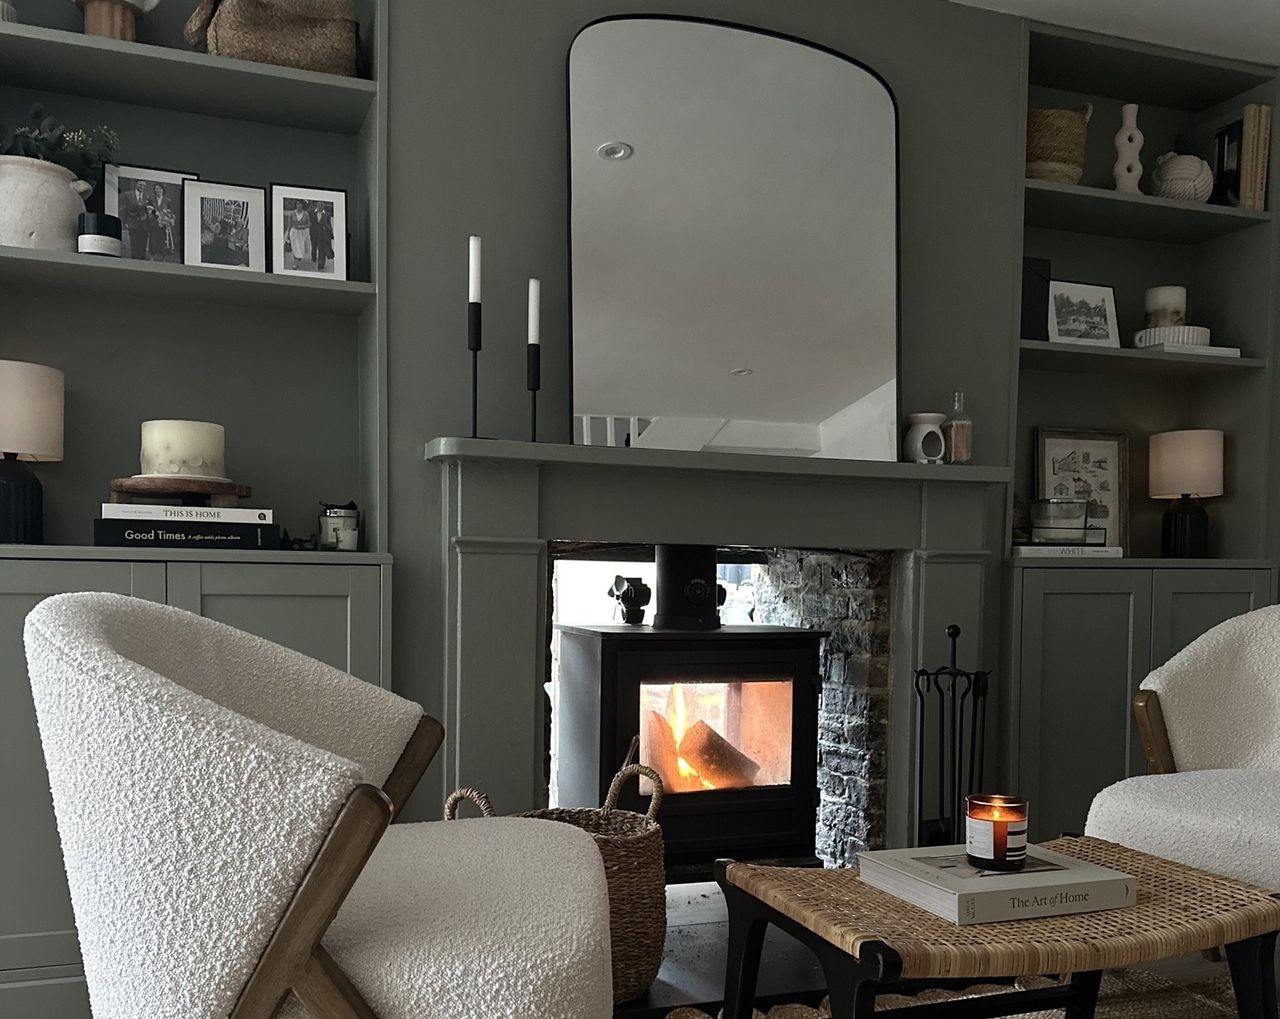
(678, 718)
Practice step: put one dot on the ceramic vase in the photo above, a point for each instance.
(924, 443)
(40, 204)
(1128, 168)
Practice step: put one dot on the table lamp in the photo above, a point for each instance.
(31, 397)
(1185, 466)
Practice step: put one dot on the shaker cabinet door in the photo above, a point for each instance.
(1086, 639)
(1187, 603)
(332, 613)
(37, 932)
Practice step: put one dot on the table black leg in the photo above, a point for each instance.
(852, 995)
(1253, 975)
(742, 968)
(1085, 986)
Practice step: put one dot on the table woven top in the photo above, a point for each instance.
(1179, 910)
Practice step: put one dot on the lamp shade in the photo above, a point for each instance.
(31, 397)
(1185, 463)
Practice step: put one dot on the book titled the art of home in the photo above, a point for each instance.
(941, 880)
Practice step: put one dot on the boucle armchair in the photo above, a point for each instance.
(223, 805)
(1209, 720)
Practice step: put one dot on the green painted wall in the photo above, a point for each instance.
(477, 145)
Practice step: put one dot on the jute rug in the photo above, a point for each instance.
(1126, 994)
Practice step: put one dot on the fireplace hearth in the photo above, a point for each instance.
(727, 717)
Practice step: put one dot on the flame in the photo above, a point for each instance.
(678, 717)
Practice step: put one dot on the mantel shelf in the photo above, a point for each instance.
(160, 281)
(612, 456)
(84, 553)
(1143, 217)
(51, 60)
(1038, 355)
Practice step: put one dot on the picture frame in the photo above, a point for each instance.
(1082, 464)
(309, 232)
(148, 202)
(1082, 313)
(224, 226)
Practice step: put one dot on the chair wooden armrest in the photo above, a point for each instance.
(418, 753)
(1155, 735)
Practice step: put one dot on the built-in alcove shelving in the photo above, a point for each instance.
(1225, 257)
(294, 367)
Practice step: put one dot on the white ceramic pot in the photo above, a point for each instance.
(40, 204)
(924, 443)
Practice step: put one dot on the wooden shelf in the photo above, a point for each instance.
(1038, 355)
(58, 61)
(159, 281)
(1143, 217)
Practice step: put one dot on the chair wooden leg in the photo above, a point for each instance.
(327, 993)
(1085, 986)
(1253, 975)
(742, 969)
(852, 994)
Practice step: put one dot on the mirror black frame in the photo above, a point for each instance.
(897, 184)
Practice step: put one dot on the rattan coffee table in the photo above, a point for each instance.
(870, 943)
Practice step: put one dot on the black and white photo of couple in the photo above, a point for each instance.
(308, 240)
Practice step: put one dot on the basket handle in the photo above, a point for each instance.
(615, 787)
(466, 793)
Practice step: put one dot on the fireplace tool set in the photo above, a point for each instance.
(951, 709)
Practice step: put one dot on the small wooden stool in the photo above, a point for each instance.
(189, 491)
(871, 943)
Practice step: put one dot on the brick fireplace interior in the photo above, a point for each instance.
(791, 726)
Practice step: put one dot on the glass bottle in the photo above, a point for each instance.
(957, 431)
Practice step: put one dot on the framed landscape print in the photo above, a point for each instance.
(1082, 313)
(224, 225)
(308, 232)
(149, 204)
(1075, 464)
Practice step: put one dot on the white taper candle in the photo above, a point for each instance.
(535, 311)
(473, 280)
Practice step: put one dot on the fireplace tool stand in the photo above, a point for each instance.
(951, 716)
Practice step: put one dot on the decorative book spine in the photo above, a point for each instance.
(184, 534)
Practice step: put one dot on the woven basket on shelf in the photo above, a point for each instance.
(311, 35)
(631, 846)
(1056, 143)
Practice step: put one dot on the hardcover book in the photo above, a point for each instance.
(184, 534)
(1068, 551)
(213, 514)
(939, 879)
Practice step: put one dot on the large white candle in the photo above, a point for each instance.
(186, 448)
(535, 311)
(473, 280)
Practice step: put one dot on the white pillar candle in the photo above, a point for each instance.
(186, 448)
(473, 279)
(535, 311)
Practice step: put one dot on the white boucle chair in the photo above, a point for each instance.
(223, 805)
(1210, 724)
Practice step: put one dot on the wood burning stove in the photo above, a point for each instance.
(728, 717)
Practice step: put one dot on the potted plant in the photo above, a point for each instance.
(41, 193)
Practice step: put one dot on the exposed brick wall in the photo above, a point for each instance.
(849, 594)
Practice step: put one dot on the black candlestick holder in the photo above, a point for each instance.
(473, 345)
(534, 379)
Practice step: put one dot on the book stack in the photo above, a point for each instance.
(1241, 159)
(141, 525)
(940, 879)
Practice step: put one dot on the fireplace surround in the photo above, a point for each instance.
(500, 503)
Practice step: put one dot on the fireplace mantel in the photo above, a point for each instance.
(501, 502)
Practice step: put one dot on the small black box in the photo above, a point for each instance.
(1036, 274)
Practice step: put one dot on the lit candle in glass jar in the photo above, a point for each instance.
(996, 831)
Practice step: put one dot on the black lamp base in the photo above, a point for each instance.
(1184, 532)
(21, 504)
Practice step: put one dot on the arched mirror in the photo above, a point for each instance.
(734, 243)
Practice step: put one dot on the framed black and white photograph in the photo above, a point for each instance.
(1092, 466)
(224, 225)
(148, 202)
(309, 231)
(1082, 313)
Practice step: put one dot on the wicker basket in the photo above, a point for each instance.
(311, 35)
(631, 846)
(1056, 143)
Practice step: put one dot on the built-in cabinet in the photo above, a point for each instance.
(1084, 639)
(336, 611)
